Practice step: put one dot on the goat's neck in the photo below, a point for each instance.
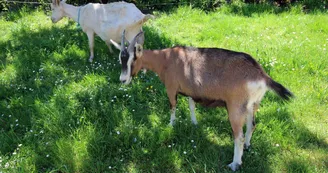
(71, 11)
(153, 60)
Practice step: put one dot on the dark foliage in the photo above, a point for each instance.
(151, 5)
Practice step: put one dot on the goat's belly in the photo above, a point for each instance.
(207, 102)
(210, 103)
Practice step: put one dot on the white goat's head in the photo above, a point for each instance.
(57, 10)
(130, 56)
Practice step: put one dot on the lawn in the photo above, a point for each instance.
(60, 113)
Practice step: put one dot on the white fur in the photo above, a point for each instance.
(192, 110)
(256, 89)
(106, 20)
(238, 152)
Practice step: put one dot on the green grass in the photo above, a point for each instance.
(59, 113)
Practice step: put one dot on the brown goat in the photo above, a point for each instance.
(210, 76)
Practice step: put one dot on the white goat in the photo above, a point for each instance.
(106, 20)
(210, 76)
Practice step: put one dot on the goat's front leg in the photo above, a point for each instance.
(173, 103)
(109, 46)
(91, 39)
(192, 111)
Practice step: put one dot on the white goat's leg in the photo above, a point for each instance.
(192, 111)
(91, 39)
(109, 47)
(237, 120)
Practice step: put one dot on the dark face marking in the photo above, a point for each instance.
(253, 122)
(124, 60)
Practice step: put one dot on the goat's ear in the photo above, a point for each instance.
(117, 46)
(141, 38)
(139, 50)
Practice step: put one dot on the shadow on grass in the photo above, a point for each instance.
(55, 87)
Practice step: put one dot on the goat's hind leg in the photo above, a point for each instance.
(250, 124)
(237, 120)
(91, 39)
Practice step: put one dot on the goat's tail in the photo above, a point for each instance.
(148, 16)
(279, 89)
(144, 19)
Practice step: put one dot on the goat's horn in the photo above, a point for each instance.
(123, 40)
(137, 39)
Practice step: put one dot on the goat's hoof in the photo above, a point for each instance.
(195, 122)
(234, 166)
(91, 59)
(247, 148)
(171, 124)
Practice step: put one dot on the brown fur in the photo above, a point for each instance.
(206, 75)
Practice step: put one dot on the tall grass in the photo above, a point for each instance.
(59, 113)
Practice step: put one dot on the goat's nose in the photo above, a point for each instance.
(123, 81)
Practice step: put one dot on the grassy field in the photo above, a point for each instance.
(60, 113)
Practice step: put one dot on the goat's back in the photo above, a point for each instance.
(109, 20)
